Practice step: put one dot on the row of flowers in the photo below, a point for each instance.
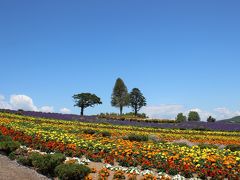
(67, 137)
(73, 128)
(126, 170)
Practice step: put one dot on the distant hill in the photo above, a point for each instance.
(232, 120)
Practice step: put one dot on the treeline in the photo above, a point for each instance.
(192, 116)
(120, 98)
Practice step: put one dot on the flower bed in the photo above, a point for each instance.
(71, 139)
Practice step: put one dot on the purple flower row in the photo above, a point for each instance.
(221, 126)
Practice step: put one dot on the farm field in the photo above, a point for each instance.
(205, 153)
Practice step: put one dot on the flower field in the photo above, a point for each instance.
(111, 144)
(217, 126)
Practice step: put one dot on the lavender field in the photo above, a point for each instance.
(219, 125)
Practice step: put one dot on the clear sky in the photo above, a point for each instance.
(181, 54)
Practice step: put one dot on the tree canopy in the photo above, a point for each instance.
(85, 100)
(193, 116)
(211, 119)
(181, 118)
(137, 100)
(120, 96)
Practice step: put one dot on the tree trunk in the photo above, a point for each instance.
(82, 111)
(135, 111)
(121, 109)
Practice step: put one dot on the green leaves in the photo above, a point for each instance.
(137, 100)
(211, 119)
(85, 100)
(193, 116)
(181, 118)
(120, 96)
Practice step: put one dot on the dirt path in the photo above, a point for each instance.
(11, 170)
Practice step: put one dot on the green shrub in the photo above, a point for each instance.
(89, 131)
(106, 134)
(34, 156)
(9, 146)
(1, 136)
(72, 171)
(172, 171)
(57, 158)
(201, 128)
(211, 119)
(45, 164)
(39, 162)
(24, 161)
(204, 146)
(233, 147)
(137, 137)
(12, 155)
(181, 144)
(5, 138)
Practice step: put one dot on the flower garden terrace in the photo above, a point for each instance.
(46, 127)
(110, 143)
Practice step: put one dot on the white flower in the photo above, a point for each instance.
(133, 170)
(108, 166)
(178, 177)
(145, 172)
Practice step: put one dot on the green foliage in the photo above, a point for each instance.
(106, 133)
(57, 159)
(201, 128)
(120, 96)
(127, 115)
(181, 144)
(25, 161)
(137, 100)
(211, 119)
(85, 100)
(72, 171)
(172, 171)
(193, 116)
(89, 131)
(9, 146)
(5, 138)
(45, 164)
(233, 147)
(131, 117)
(181, 118)
(34, 156)
(139, 115)
(137, 137)
(12, 155)
(205, 146)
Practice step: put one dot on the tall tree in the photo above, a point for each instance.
(85, 100)
(181, 118)
(137, 100)
(193, 116)
(120, 96)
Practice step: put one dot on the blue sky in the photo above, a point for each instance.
(182, 54)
